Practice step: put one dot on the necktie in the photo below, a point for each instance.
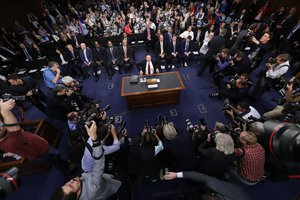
(125, 51)
(293, 31)
(27, 54)
(149, 68)
(149, 35)
(112, 54)
(174, 47)
(186, 46)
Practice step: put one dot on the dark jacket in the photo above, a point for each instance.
(57, 107)
(89, 55)
(215, 45)
(109, 56)
(142, 65)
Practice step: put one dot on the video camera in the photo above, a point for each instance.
(272, 61)
(7, 96)
(192, 128)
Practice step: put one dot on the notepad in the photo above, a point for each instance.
(152, 86)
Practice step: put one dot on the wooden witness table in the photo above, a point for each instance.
(138, 95)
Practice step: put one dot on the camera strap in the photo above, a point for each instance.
(10, 125)
(90, 148)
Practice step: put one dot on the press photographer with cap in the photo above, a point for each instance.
(59, 102)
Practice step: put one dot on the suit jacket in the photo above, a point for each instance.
(122, 53)
(215, 45)
(89, 55)
(239, 41)
(167, 38)
(152, 34)
(99, 54)
(177, 47)
(79, 40)
(183, 46)
(72, 58)
(23, 56)
(165, 50)
(109, 56)
(57, 57)
(142, 65)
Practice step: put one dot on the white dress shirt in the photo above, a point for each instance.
(278, 70)
(151, 68)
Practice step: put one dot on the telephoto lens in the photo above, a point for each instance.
(8, 182)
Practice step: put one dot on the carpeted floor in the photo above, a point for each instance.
(194, 103)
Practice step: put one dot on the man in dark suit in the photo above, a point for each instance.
(175, 49)
(168, 35)
(186, 51)
(76, 40)
(26, 53)
(149, 36)
(111, 59)
(74, 62)
(162, 53)
(215, 45)
(241, 38)
(125, 57)
(86, 56)
(148, 66)
(292, 40)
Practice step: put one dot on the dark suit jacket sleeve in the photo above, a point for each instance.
(198, 177)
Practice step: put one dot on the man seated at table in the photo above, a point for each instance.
(148, 66)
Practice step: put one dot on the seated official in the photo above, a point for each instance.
(213, 188)
(186, 51)
(26, 87)
(51, 75)
(175, 49)
(250, 167)
(111, 59)
(59, 102)
(162, 53)
(87, 59)
(148, 66)
(242, 113)
(72, 55)
(215, 161)
(125, 57)
(92, 185)
(14, 140)
(275, 70)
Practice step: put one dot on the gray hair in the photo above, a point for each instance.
(224, 143)
(169, 131)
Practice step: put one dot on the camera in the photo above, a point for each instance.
(90, 119)
(122, 127)
(226, 105)
(106, 108)
(148, 126)
(7, 96)
(189, 126)
(272, 61)
(8, 182)
(161, 120)
(111, 120)
(74, 105)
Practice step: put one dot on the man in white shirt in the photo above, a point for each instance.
(273, 75)
(148, 67)
(188, 32)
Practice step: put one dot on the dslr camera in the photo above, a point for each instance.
(7, 96)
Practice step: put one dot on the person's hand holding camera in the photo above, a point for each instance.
(29, 93)
(69, 92)
(289, 87)
(230, 112)
(92, 131)
(253, 39)
(7, 106)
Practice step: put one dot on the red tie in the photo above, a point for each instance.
(149, 69)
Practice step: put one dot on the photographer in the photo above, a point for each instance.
(52, 75)
(143, 156)
(26, 87)
(223, 66)
(250, 168)
(274, 72)
(92, 185)
(291, 96)
(87, 160)
(213, 188)
(261, 47)
(215, 161)
(14, 140)
(59, 102)
(175, 158)
(236, 90)
(240, 64)
(242, 113)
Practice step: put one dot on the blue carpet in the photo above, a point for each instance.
(194, 103)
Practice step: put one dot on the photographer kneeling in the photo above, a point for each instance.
(289, 103)
(92, 185)
(215, 161)
(242, 113)
(223, 66)
(272, 77)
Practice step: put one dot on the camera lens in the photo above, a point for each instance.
(8, 182)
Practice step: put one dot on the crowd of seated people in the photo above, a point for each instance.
(73, 41)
